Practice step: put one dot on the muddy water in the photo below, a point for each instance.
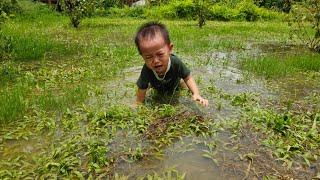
(186, 155)
(235, 157)
(243, 158)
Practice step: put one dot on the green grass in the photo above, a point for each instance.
(12, 103)
(31, 33)
(274, 67)
(50, 101)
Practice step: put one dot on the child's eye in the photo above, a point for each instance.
(148, 58)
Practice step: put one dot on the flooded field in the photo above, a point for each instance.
(227, 153)
(255, 127)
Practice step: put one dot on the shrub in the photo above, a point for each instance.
(184, 9)
(8, 8)
(222, 13)
(168, 12)
(283, 5)
(247, 10)
(136, 12)
(126, 12)
(306, 23)
(78, 9)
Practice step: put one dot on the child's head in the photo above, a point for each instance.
(153, 43)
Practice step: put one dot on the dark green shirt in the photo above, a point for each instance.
(171, 81)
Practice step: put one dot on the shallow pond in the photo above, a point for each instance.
(228, 153)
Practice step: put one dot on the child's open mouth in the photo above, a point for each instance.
(158, 67)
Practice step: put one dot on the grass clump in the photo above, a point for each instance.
(12, 103)
(273, 67)
(291, 135)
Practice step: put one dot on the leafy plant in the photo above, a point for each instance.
(248, 10)
(8, 8)
(78, 9)
(306, 23)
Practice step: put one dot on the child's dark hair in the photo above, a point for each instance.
(150, 30)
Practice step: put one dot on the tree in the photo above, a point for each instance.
(78, 9)
(202, 10)
(306, 18)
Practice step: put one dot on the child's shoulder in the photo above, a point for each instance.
(175, 59)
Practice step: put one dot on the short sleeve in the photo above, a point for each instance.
(143, 81)
(184, 71)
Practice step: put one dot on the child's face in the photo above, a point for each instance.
(156, 53)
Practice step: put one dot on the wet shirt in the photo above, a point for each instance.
(171, 80)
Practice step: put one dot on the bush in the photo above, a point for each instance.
(126, 11)
(222, 13)
(137, 12)
(78, 9)
(282, 5)
(165, 11)
(306, 23)
(247, 10)
(184, 9)
(8, 8)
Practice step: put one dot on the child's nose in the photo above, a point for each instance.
(156, 59)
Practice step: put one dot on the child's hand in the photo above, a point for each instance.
(201, 100)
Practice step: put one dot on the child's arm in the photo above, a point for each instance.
(195, 91)
(141, 94)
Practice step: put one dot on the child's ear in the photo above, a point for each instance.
(170, 47)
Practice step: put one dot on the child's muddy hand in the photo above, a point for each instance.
(201, 100)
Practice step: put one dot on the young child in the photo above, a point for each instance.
(162, 70)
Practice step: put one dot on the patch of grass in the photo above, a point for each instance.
(34, 47)
(9, 71)
(274, 67)
(291, 135)
(50, 101)
(31, 33)
(12, 103)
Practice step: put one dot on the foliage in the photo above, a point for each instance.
(247, 10)
(112, 3)
(291, 135)
(222, 13)
(8, 8)
(202, 11)
(198, 9)
(184, 9)
(306, 23)
(157, 2)
(161, 12)
(78, 9)
(283, 5)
